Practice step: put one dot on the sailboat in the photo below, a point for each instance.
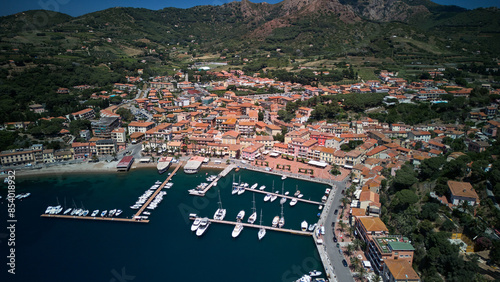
(262, 230)
(282, 219)
(283, 199)
(253, 216)
(67, 210)
(275, 221)
(236, 186)
(220, 213)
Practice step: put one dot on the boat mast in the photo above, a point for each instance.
(220, 202)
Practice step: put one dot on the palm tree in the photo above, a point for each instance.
(342, 226)
(376, 278)
(350, 249)
(354, 263)
(357, 244)
(361, 273)
(345, 201)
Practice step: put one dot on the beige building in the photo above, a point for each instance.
(119, 135)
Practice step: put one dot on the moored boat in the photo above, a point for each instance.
(196, 224)
(203, 226)
(237, 230)
(303, 225)
(293, 202)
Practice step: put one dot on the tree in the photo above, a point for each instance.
(403, 199)
(261, 116)
(350, 249)
(125, 114)
(405, 178)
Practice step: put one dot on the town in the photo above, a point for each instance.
(181, 117)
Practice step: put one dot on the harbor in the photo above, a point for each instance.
(135, 218)
(202, 192)
(284, 196)
(291, 231)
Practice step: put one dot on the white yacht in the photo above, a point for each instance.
(262, 187)
(303, 225)
(283, 177)
(262, 231)
(253, 216)
(94, 213)
(254, 186)
(235, 189)
(237, 230)
(300, 196)
(276, 219)
(297, 191)
(203, 226)
(67, 211)
(312, 227)
(118, 212)
(274, 197)
(314, 273)
(103, 213)
(241, 189)
(240, 215)
(111, 213)
(196, 224)
(305, 278)
(293, 202)
(323, 199)
(220, 213)
(85, 212)
(267, 197)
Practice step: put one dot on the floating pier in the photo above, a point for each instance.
(298, 232)
(119, 219)
(288, 197)
(202, 193)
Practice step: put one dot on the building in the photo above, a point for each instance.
(105, 147)
(461, 192)
(48, 156)
(230, 137)
(399, 271)
(63, 155)
(87, 114)
(104, 126)
(139, 126)
(380, 250)
(37, 108)
(367, 226)
(119, 135)
(81, 150)
(17, 157)
(85, 134)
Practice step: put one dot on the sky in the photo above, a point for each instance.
(80, 7)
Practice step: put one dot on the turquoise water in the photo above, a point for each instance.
(165, 249)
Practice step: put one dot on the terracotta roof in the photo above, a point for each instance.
(462, 189)
(401, 270)
(373, 224)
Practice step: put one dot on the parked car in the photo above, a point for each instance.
(336, 211)
(344, 262)
(335, 239)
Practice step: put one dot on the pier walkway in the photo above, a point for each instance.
(288, 197)
(202, 193)
(298, 232)
(133, 219)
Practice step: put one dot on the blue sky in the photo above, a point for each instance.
(80, 7)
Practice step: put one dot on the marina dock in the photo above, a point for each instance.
(225, 172)
(288, 197)
(298, 232)
(133, 219)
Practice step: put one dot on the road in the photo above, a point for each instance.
(342, 273)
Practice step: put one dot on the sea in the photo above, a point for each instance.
(165, 249)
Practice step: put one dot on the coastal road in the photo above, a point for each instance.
(343, 273)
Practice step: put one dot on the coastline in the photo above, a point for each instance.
(94, 168)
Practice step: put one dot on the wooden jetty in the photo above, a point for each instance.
(288, 197)
(133, 219)
(202, 193)
(298, 232)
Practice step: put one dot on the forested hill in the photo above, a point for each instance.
(314, 27)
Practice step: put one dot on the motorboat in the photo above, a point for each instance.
(276, 219)
(293, 202)
(286, 193)
(323, 199)
(103, 213)
(254, 186)
(237, 230)
(312, 227)
(196, 224)
(94, 213)
(235, 189)
(305, 278)
(67, 211)
(85, 212)
(304, 225)
(274, 197)
(240, 215)
(267, 197)
(300, 196)
(146, 213)
(261, 188)
(314, 273)
(297, 191)
(118, 212)
(203, 226)
(283, 177)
